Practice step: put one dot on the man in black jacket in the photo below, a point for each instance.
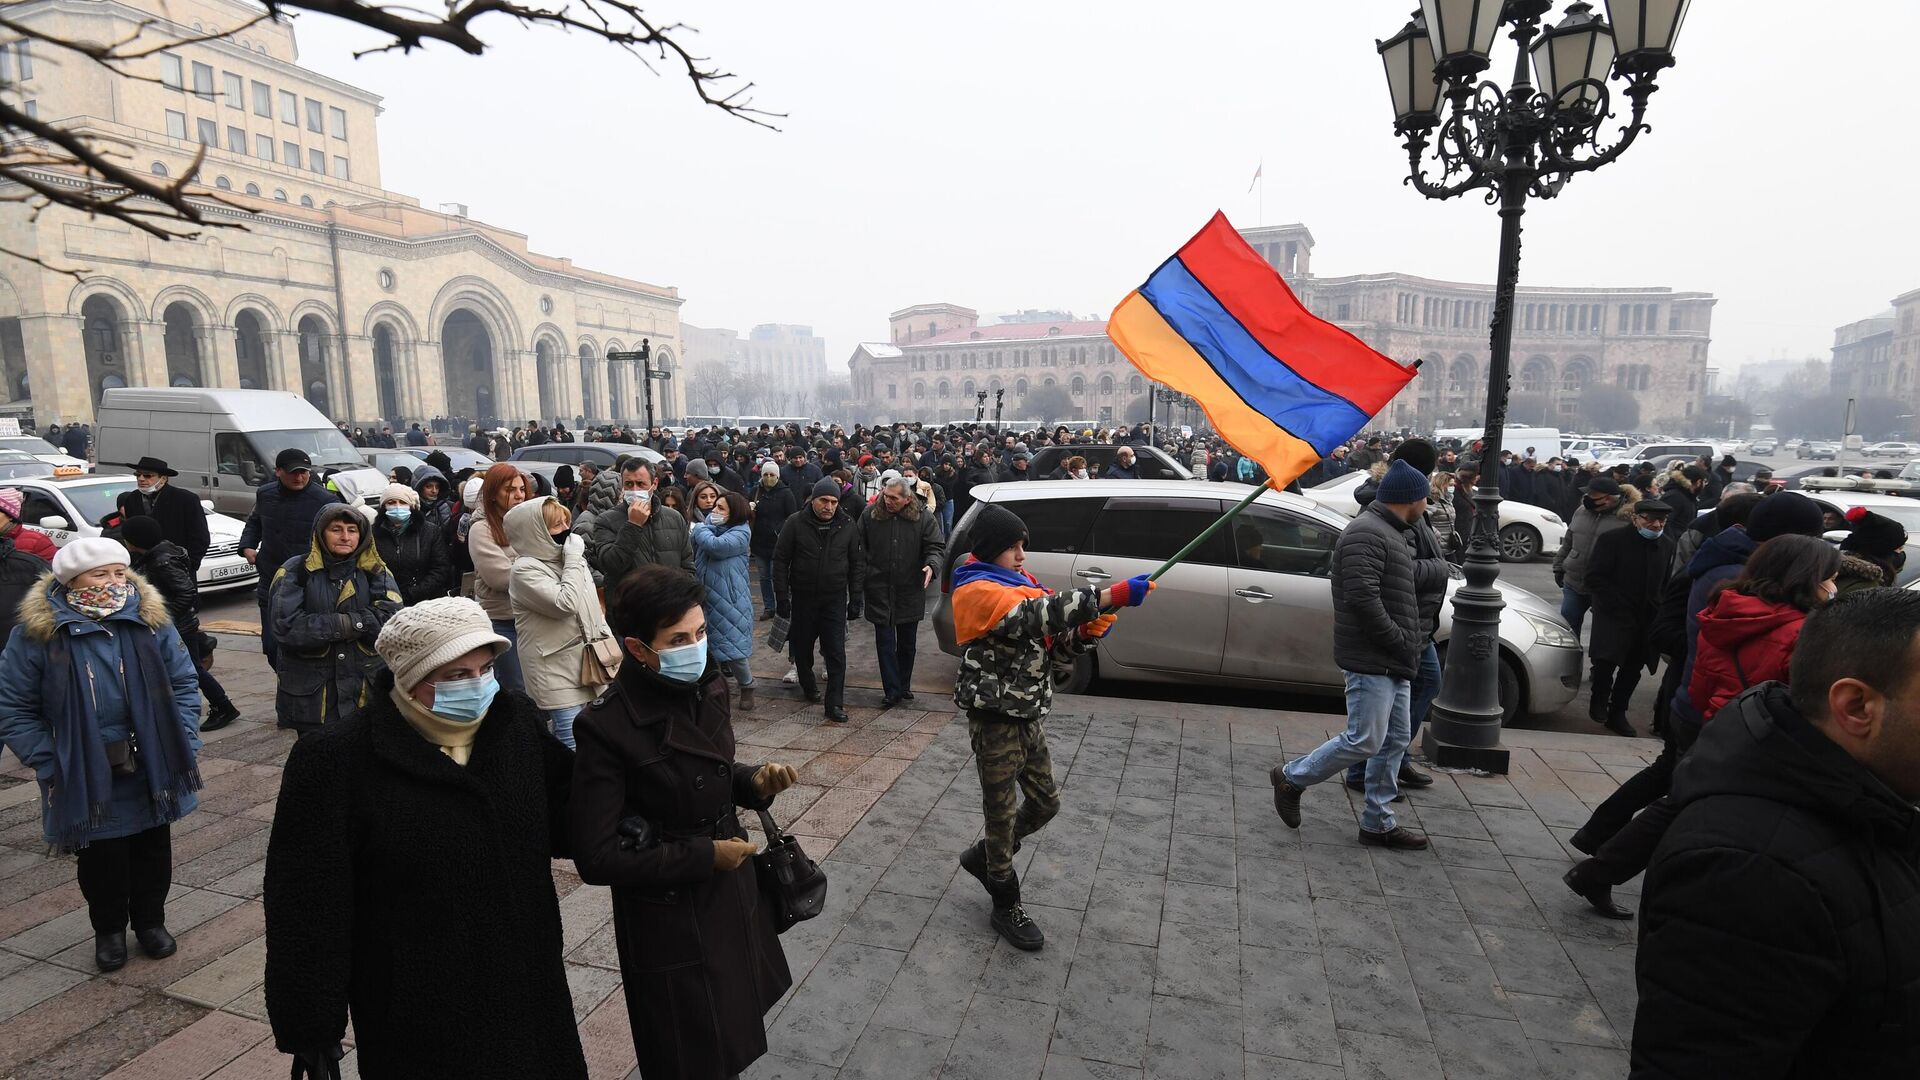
(165, 565)
(773, 503)
(1378, 636)
(1778, 931)
(281, 526)
(1627, 576)
(819, 578)
(904, 553)
(182, 519)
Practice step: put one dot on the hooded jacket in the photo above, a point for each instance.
(556, 610)
(437, 510)
(1857, 573)
(327, 610)
(1744, 641)
(1778, 932)
(1585, 529)
(1719, 559)
(415, 554)
(899, 549)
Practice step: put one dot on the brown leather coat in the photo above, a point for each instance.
(698, 953)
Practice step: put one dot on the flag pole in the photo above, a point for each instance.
(1207, 532)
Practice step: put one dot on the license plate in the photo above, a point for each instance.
(220, 572)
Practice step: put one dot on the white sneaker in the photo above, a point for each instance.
(792, 676)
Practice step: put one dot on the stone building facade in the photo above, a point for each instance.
(368, 303)
(1863, 359)
(1649, 341)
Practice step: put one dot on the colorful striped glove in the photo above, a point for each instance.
(1132, 592)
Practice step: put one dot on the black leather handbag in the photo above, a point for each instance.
(794, 886)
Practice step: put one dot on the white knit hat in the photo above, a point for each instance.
(470, 492)
(86, 553)
(402, 493)
(892, 478)
(426, 635)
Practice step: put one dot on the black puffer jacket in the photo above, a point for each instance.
(1377, 628)
(815, 559)
(771, 509)
(1780, 932)
(416, 555)
(168, 567)
(898, 549)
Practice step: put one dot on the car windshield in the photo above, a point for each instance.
(326, 446)
(95, 501)
(29, 444)
(17, 465)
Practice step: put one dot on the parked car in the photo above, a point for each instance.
(34, 446)
(1817, 451)
(1151, 462)
(458, 456)
(1764, 447)
(1904, 510)
(1253, 607)
(65, 509)
(1905, 451)
(15, 464)
(1526, 531)
(602, 454)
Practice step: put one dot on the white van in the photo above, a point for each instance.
(223, 442)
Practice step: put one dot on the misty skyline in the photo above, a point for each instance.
(1051, 158)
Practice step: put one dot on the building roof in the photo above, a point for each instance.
(1016, 332)
(879, 350)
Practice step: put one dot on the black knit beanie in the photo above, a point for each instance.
(996, 530)
(1874, 535)
(1418, 453)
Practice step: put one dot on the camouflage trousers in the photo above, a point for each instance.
(1012, 754)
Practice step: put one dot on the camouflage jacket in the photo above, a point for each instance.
(1008, 668)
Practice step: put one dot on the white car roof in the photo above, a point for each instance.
(1861, 498)
(1022, 491)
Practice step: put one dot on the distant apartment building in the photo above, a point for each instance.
(777, 367)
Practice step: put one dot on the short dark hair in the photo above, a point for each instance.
(635, 464)
(1866, 635)
(650, 598)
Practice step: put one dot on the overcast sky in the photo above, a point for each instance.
(1049, 154)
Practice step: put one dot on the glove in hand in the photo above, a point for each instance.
(1133, 591)
(1099, 627)
(318, 1063)
(853, 609)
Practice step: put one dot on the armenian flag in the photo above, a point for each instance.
(1217, 323)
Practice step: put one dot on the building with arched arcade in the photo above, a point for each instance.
(366, 302)
(1649, 342)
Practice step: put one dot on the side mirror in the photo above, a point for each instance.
(54, 521)
(207, 505)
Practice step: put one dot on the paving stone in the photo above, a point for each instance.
(1001, 1039)
(1385, 1057)
(1106, 1004)
(106, 1046)
(199, 946)
(1482, 1048)
(835, 813)
(1203, 814)
(778, 1068)
(1286, 1006)
(1417, 876)
(847, 985)
(56, 1019)
(1275, 907)
(33, 984)
(1455, 982)
(606, 1038)
(1442, 821)
(1072, 1068)
(1193, 1040)
(891, 1054)
(1494, 897)
(1529, 961)
(1262, 1067)
(1200, 962)
(198, 1050)
(1350, 924)
(934, 985)
(1518, 832)
(52, 936)
(889, 920)
(1570, 1061)
(1202, 905)
(226, 978)
(1565, 1019)
(1458, 851)
(1125, 906)
(1035, 976)
(1433, 925)
(1372, 991)
(1342, 872)
(1060, 880)
(41, 906)
(1148, 782)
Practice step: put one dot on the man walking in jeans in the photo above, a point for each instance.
(1377, 640)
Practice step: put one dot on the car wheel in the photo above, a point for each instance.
(1074, 678)
(1519, 543)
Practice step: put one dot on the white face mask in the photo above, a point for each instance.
(147, 489)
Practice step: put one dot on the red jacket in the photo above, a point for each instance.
(1744, 641)
(32, 542)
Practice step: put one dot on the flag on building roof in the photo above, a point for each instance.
(1217, 323)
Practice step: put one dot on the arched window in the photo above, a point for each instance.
(253, 189)
(1136, 385)
(306, 201)
(1106, 386)
(279, 194)
(919, 390)
(1020, 387)
(945, 389)
(223, 183)
(1079, 386)
(157, 169)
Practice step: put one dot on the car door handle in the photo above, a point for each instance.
(1255, 594)
(1093, 573)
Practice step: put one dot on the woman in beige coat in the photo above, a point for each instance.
(504, 488)
(555, 610)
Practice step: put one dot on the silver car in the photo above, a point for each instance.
(1253, 607)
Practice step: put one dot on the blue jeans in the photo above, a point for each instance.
(767, 599)
(506, 666)
(1377, 734)
(1426, 687)
(897, 647)
(740, 670)
(561, 721)
(946, 518)
(1574, 607)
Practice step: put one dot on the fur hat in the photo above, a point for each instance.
(995, 530)
(421, 637)
(86, 553)
(1874, 535)
(1786, 513)
(400, 493)
(1403, 484)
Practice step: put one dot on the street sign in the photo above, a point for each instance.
(661, 375)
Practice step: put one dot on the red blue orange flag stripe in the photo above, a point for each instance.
(1283, 387)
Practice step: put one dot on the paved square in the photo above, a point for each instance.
(1189, 934)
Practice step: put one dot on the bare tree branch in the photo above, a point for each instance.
(30, 149)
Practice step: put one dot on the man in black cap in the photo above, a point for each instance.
(281, 525)
(1626, 575)
(182, 519)
(1598, 515)
(819, 581)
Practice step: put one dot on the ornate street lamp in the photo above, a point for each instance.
(1515, 143)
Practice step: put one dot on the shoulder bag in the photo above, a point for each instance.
(793, 885)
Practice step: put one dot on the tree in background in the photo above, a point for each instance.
(39, 158)
(1047, 404)
(710, 388)
(1608, 408)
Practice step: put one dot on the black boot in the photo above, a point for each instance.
(220, 716)
(110, 950)
(1412, 777)
(1009, 919)
(156, 942)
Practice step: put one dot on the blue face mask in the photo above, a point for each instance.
(465, 700)
(1651, 534)
(684, 664)
(399, 515)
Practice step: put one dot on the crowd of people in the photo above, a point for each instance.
(493, 668)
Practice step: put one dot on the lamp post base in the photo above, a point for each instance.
(1494, 759)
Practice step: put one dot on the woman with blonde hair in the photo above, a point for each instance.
(1440, 512)
(556, 613)
(503, 488)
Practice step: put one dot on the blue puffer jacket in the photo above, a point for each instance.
(720, 562)
(28, 731)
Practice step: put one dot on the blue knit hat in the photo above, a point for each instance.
(1402, 484)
